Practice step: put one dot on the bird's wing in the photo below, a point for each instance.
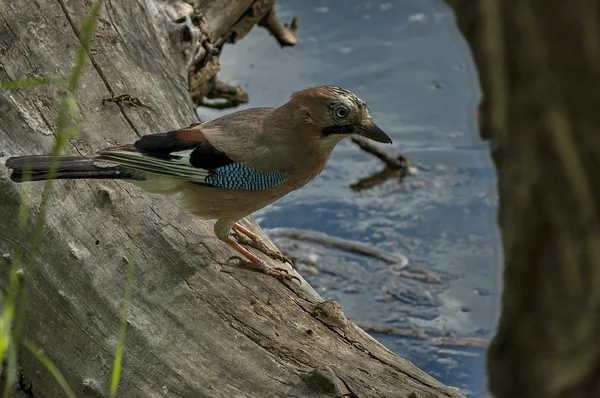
(187, 154)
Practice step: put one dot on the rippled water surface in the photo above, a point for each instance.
(406, 60)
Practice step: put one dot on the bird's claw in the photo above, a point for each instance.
(285, 259)
(262, 247)
(281, 257)
(241, 260)
(276, 272)
(282, 274)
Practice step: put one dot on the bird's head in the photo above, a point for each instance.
(336, 113)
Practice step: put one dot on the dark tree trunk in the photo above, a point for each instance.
(539, 67)
(193, 330)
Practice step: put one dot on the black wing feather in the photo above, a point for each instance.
(164, 145)
(208, 157)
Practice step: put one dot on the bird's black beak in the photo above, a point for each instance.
(374, 133)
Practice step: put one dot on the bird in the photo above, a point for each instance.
(229, 167)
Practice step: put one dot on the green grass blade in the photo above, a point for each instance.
(65, 131)
(116, 371)
(69, 123)
(13, 281)
(48, 364)
(85, 37)
(25, 83)
(11, 369)
(8, 350)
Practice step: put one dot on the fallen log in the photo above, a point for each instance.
(193, 330)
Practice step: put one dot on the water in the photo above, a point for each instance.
(406, 60)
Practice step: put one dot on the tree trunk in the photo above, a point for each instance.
(197, 327)
(539, 67)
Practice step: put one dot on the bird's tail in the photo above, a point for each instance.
(37, 168)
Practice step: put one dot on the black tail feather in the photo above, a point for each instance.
(37, 168)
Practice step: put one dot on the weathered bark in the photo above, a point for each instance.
(539, 66)
(193, 330)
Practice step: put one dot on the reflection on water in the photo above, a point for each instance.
(405, 59)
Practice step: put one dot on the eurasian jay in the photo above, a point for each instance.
(229, 167)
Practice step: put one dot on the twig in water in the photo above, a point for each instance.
(399, 163)
(420, 274)
(353, 247)
(394, 167)
(455, 341)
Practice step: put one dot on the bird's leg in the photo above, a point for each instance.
(222, 230)
(250, 239)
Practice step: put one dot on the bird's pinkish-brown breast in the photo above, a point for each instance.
(227, 204)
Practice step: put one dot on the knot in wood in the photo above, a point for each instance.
(92, 389)
(106, 195)
(330, 313)
(325, 380)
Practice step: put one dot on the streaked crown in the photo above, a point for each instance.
(337, 112)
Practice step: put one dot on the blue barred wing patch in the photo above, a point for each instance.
(238, 176)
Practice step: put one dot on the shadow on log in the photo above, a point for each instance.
(539, 67)
(193, 330)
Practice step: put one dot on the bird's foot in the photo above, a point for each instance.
(279, 273)
(249, 239)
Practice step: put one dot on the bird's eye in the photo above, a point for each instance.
(340, 112)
